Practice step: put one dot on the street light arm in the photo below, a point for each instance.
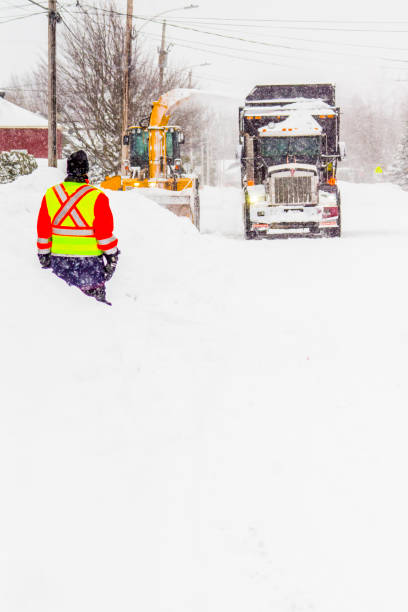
(195, 66)
(181, 8)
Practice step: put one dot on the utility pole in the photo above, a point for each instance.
(191, 156)
(208, 163)
(53, 17)
(127, 60)
(162, 57)
(203, 162)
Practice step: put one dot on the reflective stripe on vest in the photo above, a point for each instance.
(44, 245)
(68, 231)
(69, 203)
(71, 208)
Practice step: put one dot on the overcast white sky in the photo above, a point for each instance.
(360, 47)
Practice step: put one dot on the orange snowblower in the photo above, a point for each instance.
(154, 164)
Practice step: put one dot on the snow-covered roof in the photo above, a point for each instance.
(297, 124)
(13, 116)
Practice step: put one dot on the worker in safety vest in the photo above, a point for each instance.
(75, 231)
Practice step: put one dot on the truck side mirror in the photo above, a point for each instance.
(180, 137)
(126, 140)
(342, 150)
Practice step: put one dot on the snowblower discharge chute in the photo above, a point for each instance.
(154, 163)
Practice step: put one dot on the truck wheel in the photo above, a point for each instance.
(338, 229)
(249, 234)
(197, 210)
(336, 232)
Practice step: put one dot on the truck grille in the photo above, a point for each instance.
(293, 190)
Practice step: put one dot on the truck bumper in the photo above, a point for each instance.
(329, 223)
(279, 229)
(284, 220)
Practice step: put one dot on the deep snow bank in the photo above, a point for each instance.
(229, 435)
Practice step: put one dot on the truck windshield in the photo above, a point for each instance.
(304, 148)
(172, 145)
(169, 144)
(139, 155)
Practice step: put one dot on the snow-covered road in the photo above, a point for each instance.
(230, 435)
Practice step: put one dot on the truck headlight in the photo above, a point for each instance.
(256, 194)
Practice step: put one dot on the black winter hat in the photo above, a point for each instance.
(77, 163)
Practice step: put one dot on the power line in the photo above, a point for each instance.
(70, 31)
(278, 20)
(237, 57)
(23, 89)
(256, 60)
(330, 42)
(241, 39)
(248, 20)
(245, 21)
(386, 59)
(176, 21)
(17, 6)
(21, 17)
(276, 23)
(308, 50)
(258, 42)
(289, 38)
(40, 5)
(368, 57)
(206, 50)
(263, 43)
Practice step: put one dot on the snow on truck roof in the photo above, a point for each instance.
(297, 116)
(313, 106)
(13, 116)
(297, 124)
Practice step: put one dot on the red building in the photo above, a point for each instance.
(22, 129)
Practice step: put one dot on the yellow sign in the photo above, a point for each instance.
(378, 170)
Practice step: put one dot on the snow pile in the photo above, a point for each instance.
(229, 435)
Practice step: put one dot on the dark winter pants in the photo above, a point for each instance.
(86, 273)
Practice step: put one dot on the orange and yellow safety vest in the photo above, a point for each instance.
(75, 220)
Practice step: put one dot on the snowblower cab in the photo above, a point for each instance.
(137, 139)
(154, 162)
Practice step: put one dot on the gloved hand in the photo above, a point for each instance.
(45, 260)
(110, 265)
